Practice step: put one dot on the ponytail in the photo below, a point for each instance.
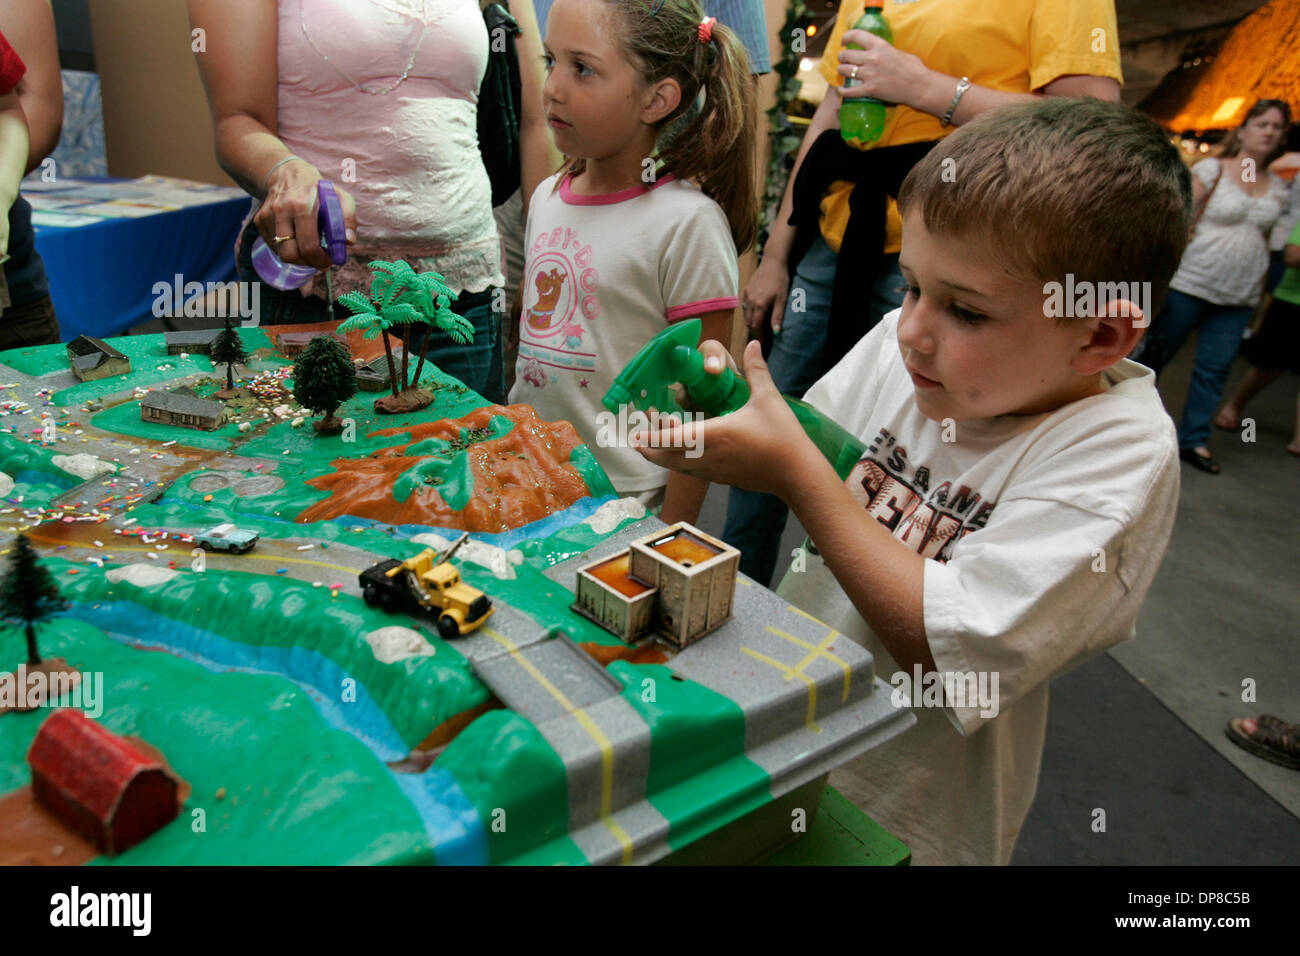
(715, 147)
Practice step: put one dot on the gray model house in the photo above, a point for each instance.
(91, 358)
(292, 344)
(183, 408)
(197, 342)
(373, 375)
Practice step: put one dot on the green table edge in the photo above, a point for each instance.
(842, 835)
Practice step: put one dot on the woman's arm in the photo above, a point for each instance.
(896, 76)
(765, 293)
(29, 27)
(239, 72)
(13, 159)
(539, 157)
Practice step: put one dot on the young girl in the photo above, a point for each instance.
(642, 224)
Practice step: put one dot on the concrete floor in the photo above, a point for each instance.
(1138, 732)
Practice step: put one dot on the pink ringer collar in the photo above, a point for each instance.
(606, 199)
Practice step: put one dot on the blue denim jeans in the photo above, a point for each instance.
(1219, 338)
(755, 522)
(479, 364)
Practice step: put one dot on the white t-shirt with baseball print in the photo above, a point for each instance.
(604, 275)
(1042, 535)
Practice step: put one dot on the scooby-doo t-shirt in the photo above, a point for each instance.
(604, 275)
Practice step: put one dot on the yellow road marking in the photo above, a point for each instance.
(789, 673)
(593, 731)
(818, 650)
(802, 613)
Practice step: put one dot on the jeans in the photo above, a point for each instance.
(1221, 327)
(755, 522)
(479, 364)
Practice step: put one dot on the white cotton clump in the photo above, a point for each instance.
(613, 513)
(6, 484)
(82, 465)
(141, 575)
(396, 643)
(497, 560)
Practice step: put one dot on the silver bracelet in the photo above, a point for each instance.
(267, 179)
(962, 86)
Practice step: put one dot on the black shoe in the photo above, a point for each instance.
(1205, 463)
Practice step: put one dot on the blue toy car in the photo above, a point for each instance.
(226, 537)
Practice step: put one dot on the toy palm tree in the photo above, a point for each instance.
(376, 314)
(441, 317)
(400, 297)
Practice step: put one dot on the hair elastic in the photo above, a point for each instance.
(705, 29)
(654, 11)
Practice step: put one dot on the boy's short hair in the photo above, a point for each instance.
(1062, 186)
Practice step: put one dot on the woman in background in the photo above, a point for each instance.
(1220, 280)
(31, 116)
(380, 97)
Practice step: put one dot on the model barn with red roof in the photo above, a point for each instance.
(98, 784)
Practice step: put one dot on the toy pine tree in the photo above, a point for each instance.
(323, 379)
(401, 297)
(228, 348)
(28, 593)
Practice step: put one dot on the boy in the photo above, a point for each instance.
(1021, 476)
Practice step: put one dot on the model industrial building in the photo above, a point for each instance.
(678, 582)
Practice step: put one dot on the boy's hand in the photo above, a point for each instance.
(758, 447)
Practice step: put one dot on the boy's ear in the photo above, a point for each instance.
(662, 100)
(1114, 334)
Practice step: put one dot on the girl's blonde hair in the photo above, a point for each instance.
(711, 143)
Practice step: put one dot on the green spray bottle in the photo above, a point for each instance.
(671, 357)
(862, 120)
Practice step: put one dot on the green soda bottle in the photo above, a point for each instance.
(862, 120)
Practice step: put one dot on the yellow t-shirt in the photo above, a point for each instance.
(1016, 46)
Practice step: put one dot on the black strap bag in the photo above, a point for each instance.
(498, 104)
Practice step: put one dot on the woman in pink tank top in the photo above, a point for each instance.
(379, 97)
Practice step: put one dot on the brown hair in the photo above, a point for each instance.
(1231, 144)
(1061, 186)
(712, 144)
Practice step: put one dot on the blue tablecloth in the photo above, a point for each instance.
(102, 275)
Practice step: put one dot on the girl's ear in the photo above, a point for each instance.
(662, 100)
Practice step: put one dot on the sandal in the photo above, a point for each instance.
(1273, 739)
(1204, 463)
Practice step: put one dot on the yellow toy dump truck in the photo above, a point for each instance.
(430, 583)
